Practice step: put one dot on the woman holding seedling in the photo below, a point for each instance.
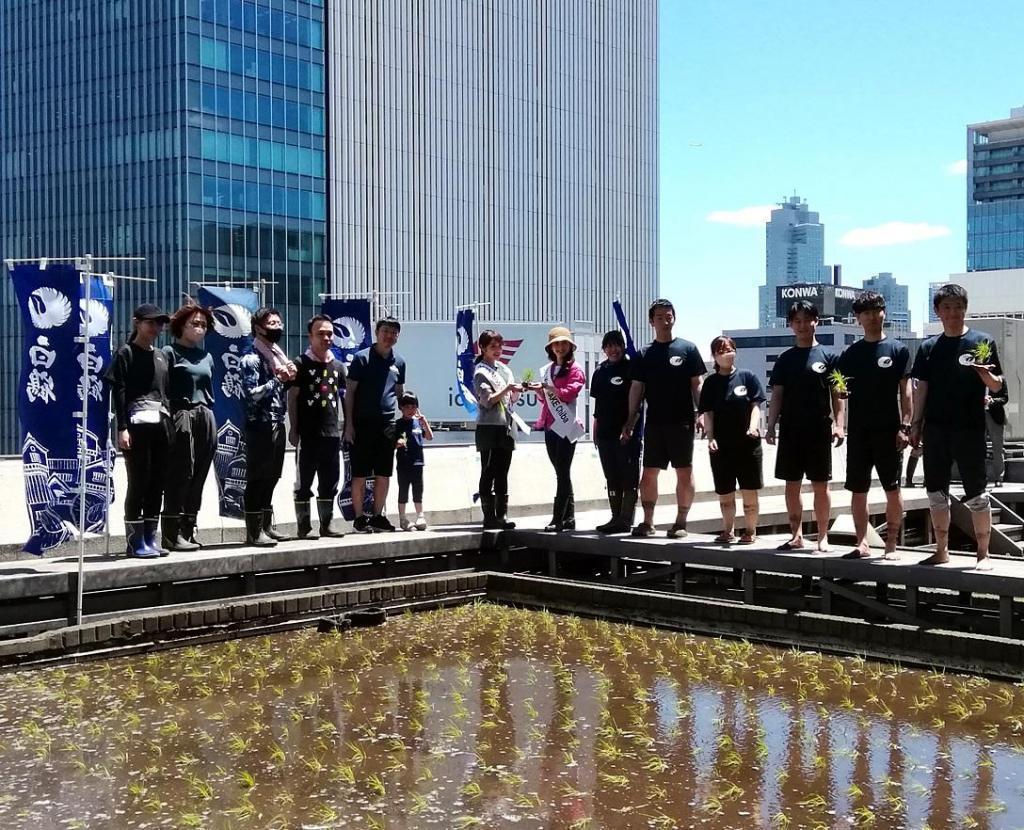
(496, 393)
(953, 371)
(810, 411)
(561, 382)
(730, 401)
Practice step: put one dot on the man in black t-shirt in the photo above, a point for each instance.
(667, 375)
(314, 416)
(811, 414)
(953, 371)
(620, 460)
(877, 372)
(376, 380)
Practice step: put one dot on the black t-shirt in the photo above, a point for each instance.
(377, 377)
(874, 371)
(137, 376)
(666, 370)
(411, 455)
(803, 373)
(729, 398)
(609, 389)
(956, 395)
(321, 387)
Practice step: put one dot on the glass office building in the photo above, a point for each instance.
(427, 154)
(995, 194)
(794, 253)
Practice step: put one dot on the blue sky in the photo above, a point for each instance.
(859, 107)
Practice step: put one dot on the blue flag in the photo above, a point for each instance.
(464, 359)
(620, 315)
(227, 342)
(352, 327)
(57, 375)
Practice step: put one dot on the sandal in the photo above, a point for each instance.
(791, 546)
(747, 539)
(725, 539)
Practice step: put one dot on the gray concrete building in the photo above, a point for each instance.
(897, 302)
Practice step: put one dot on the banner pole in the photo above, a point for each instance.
(108, 465)
(83, 440)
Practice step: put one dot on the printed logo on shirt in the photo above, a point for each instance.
(740, 391)
(617, 381)
(966, 359)
(676, 360)
(818, 367)
(884, 362)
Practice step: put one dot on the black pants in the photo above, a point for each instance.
(620, 463)
(410, 477)
(146, 463)
(560, 453)
(193, 445)
(494, 465)
(264, 457)
(319, 456)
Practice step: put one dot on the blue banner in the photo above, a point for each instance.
(464, 359)
(352, 328)
(620, 315)
(57, 375)
(229, 340)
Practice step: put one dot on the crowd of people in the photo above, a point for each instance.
(647, 410)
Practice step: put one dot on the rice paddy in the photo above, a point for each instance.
(484, 716)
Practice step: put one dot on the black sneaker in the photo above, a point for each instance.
(362, 525)
(381, 524)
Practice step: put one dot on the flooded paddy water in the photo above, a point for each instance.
(484, 716)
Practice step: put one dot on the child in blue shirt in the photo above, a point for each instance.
(411, 430)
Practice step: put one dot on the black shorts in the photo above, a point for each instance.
(872, 448)
(738, 465)
(373, 449)
(666, 444)
(945, 445)
(804, 451)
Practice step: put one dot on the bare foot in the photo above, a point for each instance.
(891, 555)
(984, 564)
(795, 543)
(823, 546)
(935, 559)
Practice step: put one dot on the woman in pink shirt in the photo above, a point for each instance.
(561, 382)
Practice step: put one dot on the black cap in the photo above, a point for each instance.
(148, 311)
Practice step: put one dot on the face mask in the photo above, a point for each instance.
(273, 335)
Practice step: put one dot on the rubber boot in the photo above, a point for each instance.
(488, 506)
(556, 525)
(135, 541)
(303, 523)
(615, 503)
(325, 509)
(569, 514)
(170, 526)
(500, 513)
(628, 511)
(187, 529)
(254, 534)
(270, 530)
(152, 527)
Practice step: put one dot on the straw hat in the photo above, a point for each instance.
(560, 334)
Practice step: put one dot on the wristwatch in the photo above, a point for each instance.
(905, 428)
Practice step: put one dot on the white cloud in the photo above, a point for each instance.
(892, 233)
(747, 217)
(957, 168)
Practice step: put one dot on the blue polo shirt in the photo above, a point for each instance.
(377, 377)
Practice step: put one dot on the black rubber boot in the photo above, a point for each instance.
(254, 534)
(270, 530)
(627, 512)
(170, 527)
(187, 529)
(569, 514)
(488, 506)
(615, 503)
(556, 525)
(500, 513)
(303, 522)
(325, 509)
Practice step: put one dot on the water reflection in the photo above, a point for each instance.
(491, 717)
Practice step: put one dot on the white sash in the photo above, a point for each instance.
(566, 421)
